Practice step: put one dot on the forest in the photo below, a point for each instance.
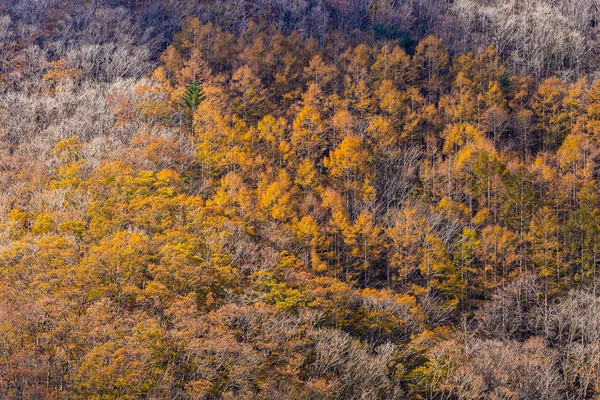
(299, 199)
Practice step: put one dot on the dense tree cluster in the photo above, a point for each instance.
(313, 207)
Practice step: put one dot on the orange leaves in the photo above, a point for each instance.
(593, 110)
(349, 165)
(431, 61)
(348, 159)
(395, 65)
(308, 133)
(60, 72)
(319, 72)
(406, 236)
(574, 153)
(460, 135)
(545, 244)
(299, 215)
(306, 175)
(275, 197)
(113, 367)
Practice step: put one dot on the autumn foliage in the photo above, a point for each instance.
(263, 215)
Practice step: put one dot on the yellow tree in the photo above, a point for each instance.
(320, 73)
(547, 104)
(431, 63)
(249, 95)
(498, 252)
(365, 243)
(393, 64)
(311, 242)
(592, 117)
(438, 271)
(545, 246)
(406, 236)
(308, 134)
(349, 166)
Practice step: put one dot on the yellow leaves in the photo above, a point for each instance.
(569, 151)
(459, 135)
(390, 99)
(199, 388)
(307, 230)
(574, 154)
(160, 77)
(285, 149)
(275, 197)
(113, 366)
(548, 105)
(368, 191)
(69, 175)
(544, 169)
(146, 200)
(406, 236)
(115, 261)
(311, 241)
(54, 252)
(358, 59)
(548, 99)
(343, 122)
(172, 59)
(451, 208)
(43, 224)
(588, 196)
(463, 156)
(319, 72)
(194, 69)
(393, 64)
(360, 95)
(332, 200)
(308, 132)
(168, 175)
(481, 217)
(271, 130)
(157, 98)
(389, 296)
(498, 249)
(365, 241)
(239, 157)
(593, 110)
(348, 159)
(381, 131)
(434, 258)
(279, 294)
(74, 227)
(549, 95)
(251, 95)
(306, 173)
(435, 249)
(17, 222)
(307, 125)
(233, 197)
(224, 143)
(209, 123)
(67, 150)
(431, 61)
(545, 244)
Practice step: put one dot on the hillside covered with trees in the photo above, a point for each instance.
(307, 199)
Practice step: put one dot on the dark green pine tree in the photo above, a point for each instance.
(192, 97)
